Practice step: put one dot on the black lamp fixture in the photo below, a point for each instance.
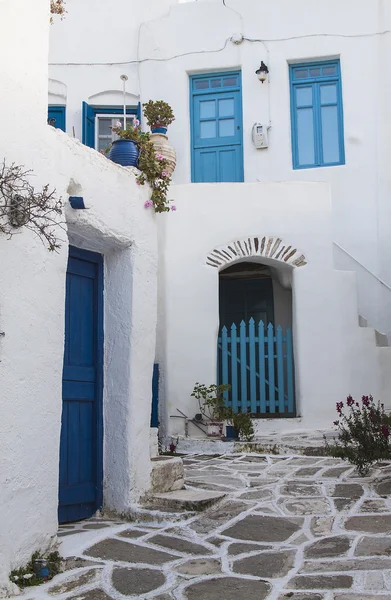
(262, 72)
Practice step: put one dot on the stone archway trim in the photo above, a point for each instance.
(266, 246)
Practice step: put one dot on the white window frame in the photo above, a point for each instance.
(116, 117)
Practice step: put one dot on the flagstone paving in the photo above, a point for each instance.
(288, 528)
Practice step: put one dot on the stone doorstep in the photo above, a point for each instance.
(184, 500)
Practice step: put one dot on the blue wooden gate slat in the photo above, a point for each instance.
(270, 365)
(289, 357)
(262, 377)
(243, 367)
(253, 383)
(224, 346)
(280, 370)
(234, 369)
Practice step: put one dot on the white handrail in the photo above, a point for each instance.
(363, 266)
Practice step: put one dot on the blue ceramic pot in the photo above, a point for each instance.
(231, 433)
(124, 152)
(162, 130)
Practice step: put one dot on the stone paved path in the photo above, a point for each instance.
(290, 528)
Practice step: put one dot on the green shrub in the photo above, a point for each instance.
(363, 433)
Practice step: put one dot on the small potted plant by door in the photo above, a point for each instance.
(159, 116)
(212, 406)
(243, 424)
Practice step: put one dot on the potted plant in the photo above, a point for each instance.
(124, 151)
(212, 406)
(243, 425)
(153, 166)
(159, 116)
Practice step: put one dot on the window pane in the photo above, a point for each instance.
(104, 126)
(226, 107)
(208, 129)
(215, 83)
(305, 136)
(314, 72)
(328, 94)
(202, 84)
(302, 74)
(229, 81)
(330, 70)
(207, 109)
(103, 143)
(330, 137)
(304, 96)
(226, 127)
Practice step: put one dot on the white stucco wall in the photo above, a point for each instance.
(333, 355)
(32, 303)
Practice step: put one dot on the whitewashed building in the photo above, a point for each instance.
(282, 194)
(311, 254)
(98, 292)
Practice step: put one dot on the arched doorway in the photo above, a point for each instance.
(255, 351)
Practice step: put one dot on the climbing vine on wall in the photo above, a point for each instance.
(22, 207)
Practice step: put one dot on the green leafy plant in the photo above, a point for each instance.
(243, 424)
(153, 166)
(363, 433)
(158, 113)
(27, 576)
(211, 401)
(213, 407)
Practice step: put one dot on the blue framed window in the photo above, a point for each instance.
(98, 120)
(317, 115)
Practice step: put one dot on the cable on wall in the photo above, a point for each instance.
(251, 40)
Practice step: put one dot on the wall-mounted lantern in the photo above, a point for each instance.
(262, 72)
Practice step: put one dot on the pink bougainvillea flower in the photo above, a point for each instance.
(118, 124)
(336, 423)
(148, 203)
(136, 122)
(164, 174)
(173, 207)
(159, 156)
(138, 182)
(349, 401)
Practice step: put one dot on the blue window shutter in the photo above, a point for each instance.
(317, 115)
(138, 115)
(88, 131)
(56, 117)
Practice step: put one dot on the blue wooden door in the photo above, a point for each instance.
(81, 445)
(217, 149)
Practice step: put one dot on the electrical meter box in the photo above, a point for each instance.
(260, 135)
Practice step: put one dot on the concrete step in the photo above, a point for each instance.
(381, 338)
(184, 500)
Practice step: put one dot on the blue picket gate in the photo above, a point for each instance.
(257, 362)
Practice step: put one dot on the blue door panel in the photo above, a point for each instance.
(229, 164)
(81, 469)
(216, 128)
(206, 165)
